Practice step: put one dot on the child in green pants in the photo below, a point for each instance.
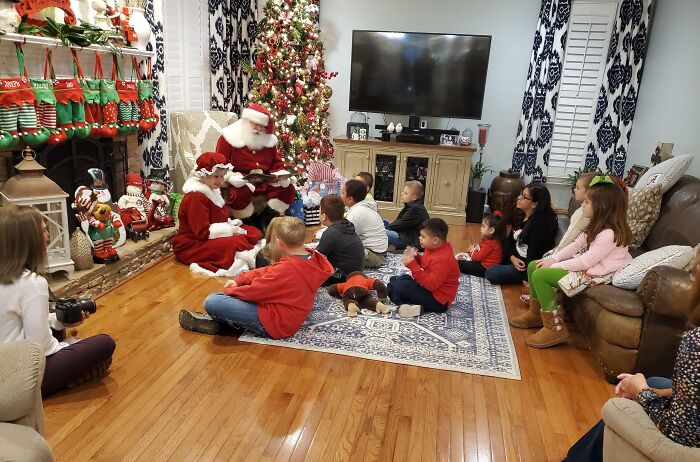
(543, 281)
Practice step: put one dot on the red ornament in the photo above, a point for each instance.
(285, 137)
(298, 87)
(312, 141)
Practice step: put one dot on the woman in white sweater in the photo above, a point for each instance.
(24, 304)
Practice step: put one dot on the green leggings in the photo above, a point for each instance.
(543, 281)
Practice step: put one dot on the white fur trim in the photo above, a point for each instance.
(217, 230)
(255, 116)
(233, 134)
(194, 185)
(244, 213)
(243, 261)
(277, 205)
(201, 173)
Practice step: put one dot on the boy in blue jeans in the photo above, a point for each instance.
(432, 284)
(405, 230)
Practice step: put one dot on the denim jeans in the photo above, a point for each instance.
(234, 312)
(396, 239)
(405, 289)
(505, 274)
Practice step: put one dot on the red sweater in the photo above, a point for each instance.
(489, 253)
(437, 270)
(284, 291)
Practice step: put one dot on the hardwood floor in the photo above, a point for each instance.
(174, 395)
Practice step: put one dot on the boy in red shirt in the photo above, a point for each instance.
(271, 301)
(432, 284)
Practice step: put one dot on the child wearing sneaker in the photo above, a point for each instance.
(271, 301)
(339, 242)
(368, 223)
(487, 253)
(405, 230)
(432, 284)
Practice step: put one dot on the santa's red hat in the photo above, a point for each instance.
(210, 162)
(261, 116)
(134, 179)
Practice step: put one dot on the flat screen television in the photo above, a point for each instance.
(439, 75)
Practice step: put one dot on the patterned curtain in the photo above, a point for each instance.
(232, 30)
(534, 137)
(617, 101)
(154, 144)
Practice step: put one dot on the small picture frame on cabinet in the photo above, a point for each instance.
(449, 140)
(354, 128)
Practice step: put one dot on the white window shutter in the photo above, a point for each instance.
(187, 55)
(590, 28)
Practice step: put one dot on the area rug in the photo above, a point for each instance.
(472, 337)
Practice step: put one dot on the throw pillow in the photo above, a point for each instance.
(631, 275)
(643, 208)
(666, 173)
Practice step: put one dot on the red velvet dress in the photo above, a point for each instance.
(191, 244)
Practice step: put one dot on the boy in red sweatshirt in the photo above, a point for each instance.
(271, 301)
(432, 284)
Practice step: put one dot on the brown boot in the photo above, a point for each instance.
(553, 333)
(530, 319)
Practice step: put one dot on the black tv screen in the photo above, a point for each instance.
(439, 75)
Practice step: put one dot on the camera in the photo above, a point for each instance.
(69, 310)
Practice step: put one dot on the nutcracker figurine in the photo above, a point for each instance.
(157, 195)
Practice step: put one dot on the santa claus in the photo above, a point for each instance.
(207, 239)
(251, 146)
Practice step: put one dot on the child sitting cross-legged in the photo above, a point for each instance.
(404, 231)
(368, 223)
(271, 301)
(339, 242)
(486, 253)
(432, 284)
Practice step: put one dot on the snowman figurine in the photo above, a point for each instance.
(158, 199)
(134, 208)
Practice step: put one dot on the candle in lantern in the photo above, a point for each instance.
(483, 132)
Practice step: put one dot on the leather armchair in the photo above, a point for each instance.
(21, 411)
(630, 435)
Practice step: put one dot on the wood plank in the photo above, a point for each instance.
(176, 395)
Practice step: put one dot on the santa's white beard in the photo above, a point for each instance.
(133, 190)
(252, 140)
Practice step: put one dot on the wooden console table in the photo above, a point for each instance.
(443, 170)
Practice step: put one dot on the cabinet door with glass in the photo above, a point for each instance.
(448, 193)
(415, 167)
(355, 161)
(386, 177)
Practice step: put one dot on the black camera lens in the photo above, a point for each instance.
(87, 305)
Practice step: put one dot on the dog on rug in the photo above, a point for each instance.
(355, 294)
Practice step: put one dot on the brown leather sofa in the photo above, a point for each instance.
(639, 331)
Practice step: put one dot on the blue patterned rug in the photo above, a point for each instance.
(473, 336)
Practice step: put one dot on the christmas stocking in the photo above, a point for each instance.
(17, 112)
(149, 118)
(91, 92)
(70, 103)
(128, 101)
(109, 100)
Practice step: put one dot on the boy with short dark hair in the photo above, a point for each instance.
(432, 284)
(368, 224)
(405, 230)
(368, 180)
(339, 242)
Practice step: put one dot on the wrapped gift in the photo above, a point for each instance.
(296, 209)
(312, 215)
(324, 188)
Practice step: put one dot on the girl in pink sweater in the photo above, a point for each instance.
(599, 251)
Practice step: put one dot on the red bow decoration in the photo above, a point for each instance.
(498, 214)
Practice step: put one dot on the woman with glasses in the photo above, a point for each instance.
(536, 236)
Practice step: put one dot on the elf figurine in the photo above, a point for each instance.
(134, 208)
(157, 196)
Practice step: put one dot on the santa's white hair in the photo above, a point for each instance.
(240, 134)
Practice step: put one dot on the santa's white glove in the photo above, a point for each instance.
(236, 180)
(281, 183)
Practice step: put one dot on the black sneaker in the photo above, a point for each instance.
(197, 321)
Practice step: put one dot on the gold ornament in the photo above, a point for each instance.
(301, 144)
(304, 100)
(327, 92)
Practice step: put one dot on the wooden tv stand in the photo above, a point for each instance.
(443, 170)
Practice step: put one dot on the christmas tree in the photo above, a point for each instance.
(290, 80)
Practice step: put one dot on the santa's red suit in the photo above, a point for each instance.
(249, 151)
(207, 239)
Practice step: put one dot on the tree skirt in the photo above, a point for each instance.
(472, 337)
